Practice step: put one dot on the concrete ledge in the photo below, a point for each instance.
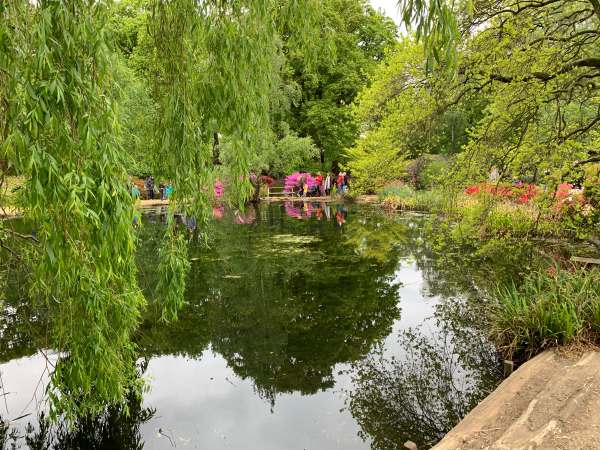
(550, 402)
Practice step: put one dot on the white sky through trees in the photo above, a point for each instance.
(389, 7)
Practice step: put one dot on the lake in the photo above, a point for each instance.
(306, 326)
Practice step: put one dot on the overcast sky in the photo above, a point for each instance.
(390, 7)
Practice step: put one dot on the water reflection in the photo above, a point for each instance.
(115, 428)
(445, 369)
(291, 308)
(283, 308)
(320, 210)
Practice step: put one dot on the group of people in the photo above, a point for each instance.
(164, 190)
(323, 186)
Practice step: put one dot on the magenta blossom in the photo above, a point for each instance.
(218, 189)
(292, 181)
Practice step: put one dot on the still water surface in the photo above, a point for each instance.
(307, 326)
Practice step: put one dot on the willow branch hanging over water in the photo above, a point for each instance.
(214, 68)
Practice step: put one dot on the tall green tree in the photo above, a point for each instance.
(522, 79)
(540, 63)
(60, 139)
(404, 114)
(355, 37)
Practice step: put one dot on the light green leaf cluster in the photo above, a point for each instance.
(436, 23)
(291, 153)
(541, 111)
(394, 113)
(137, 114)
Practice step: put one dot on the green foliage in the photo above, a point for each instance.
(60, 139)
(584, 219)
(403, 197)
(172, 269)
(373, 164)
(74, 119)
(401, 118)
(485, 217)
(539, 118)
(291, 153)
(521, 98)
(137, 116)
(435, 21)
(427, 171)
(354, 37)
(546, 310)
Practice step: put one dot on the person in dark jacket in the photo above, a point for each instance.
(149, 184)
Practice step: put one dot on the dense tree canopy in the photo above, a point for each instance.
(520, 94)
(355, 38)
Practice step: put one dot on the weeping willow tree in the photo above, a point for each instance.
(59, 125)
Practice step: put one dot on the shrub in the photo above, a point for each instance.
(426, 171)
(548, 309)
(402, 197)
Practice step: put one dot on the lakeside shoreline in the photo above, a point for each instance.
(14, 213)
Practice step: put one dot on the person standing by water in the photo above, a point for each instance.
(327, 184)
(319, 181)
(135, 191)
(340, 183)
(300, 186)
(494, 175)
(346, 182)
(149, 184)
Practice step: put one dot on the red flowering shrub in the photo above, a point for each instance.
(472, 189)
(267, 180)
(520, 193)
(567, 196)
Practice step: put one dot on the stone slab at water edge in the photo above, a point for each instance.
(550, 402)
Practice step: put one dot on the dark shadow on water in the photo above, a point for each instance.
(115, 428)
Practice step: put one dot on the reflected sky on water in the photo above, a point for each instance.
(288, 310)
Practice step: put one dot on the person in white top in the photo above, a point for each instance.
(327, 184)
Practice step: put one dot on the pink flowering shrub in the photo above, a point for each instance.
(218, 189)
(292, 181)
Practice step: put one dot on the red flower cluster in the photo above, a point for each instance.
(520, 193)
(567, 195)
(264, 179)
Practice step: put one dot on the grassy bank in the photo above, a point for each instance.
(546, 305)
(482, 216)
(550, 308)
(404, 198)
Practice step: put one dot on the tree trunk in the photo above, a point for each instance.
(216, 149)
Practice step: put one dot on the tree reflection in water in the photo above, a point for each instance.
(442, 373)
(116, 428)
(283, 301)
